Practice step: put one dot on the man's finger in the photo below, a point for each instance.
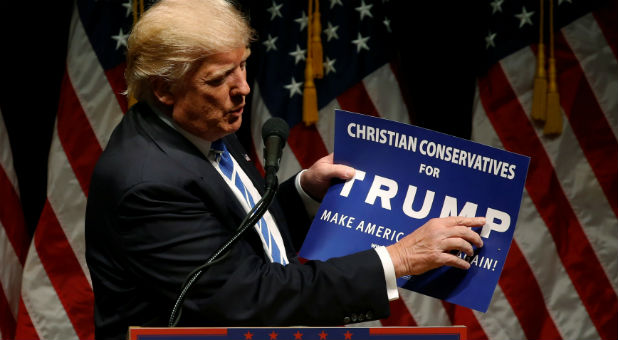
(467, 234)
(452, 221)
(455, 261)
(343, 171)
(458, 244)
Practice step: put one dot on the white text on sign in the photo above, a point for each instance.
(386, 189)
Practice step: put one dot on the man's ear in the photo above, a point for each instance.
(162, 91)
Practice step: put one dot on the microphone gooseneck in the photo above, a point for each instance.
(274, 133)
(252, 218)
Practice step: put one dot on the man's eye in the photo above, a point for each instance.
(215, 81)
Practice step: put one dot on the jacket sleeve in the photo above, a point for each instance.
(165, 232)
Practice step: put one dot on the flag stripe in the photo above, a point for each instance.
(42, 313)
(598, 64)
(10, 274)
(538, 247)
(326, 124)
(68, 202)
(78, 301)
(289, 165)
(588, 122)
(13, 238)
(25, 329)
(115, 79)
(500, 322)
(389, 103)
(400, 315)
(403, 87)
(78, 140)
(426, 310)
(259, 116)
(537, 244)
(91, 84)
(306, 144)
(356, 99)
(524, 295)
(517, 135)
(609, 25)
(11, 218)
(6, 156)
(7, 319)
(464, 316)
(570, 167)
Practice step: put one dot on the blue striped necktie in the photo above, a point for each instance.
(226, 165)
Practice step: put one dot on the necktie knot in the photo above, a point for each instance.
(218, 146)
(221, 154)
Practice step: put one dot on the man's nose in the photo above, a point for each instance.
(241, 87)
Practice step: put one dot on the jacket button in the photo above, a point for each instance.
(354, 317)
(361, 317)
(346, 320)
(369, 315)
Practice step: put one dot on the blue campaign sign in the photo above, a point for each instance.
(407, 175)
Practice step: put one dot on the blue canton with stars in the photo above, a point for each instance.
(356, 39)
(514, 24)
(107, 24)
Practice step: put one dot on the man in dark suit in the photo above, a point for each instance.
(161, 200)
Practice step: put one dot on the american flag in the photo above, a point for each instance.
(56, 292)
(561, 276)
(13, 238)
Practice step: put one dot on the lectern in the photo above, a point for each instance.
(300, 333)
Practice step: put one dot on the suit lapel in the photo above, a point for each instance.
(187, 156)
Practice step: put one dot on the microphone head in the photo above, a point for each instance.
(275, 126)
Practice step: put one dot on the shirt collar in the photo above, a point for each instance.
(202, 144)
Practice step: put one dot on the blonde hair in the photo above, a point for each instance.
(173, 35)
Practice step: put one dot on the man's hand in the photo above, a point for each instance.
(316, 180)
(429, 246)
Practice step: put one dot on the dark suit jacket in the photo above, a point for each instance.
(157, 209)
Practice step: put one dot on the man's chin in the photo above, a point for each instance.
(233, 123)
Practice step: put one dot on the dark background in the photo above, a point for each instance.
(440, 45)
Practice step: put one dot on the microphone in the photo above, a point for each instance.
(274, 133)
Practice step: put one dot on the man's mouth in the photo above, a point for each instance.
(237, 110)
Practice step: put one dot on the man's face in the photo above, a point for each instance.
(209, 102)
